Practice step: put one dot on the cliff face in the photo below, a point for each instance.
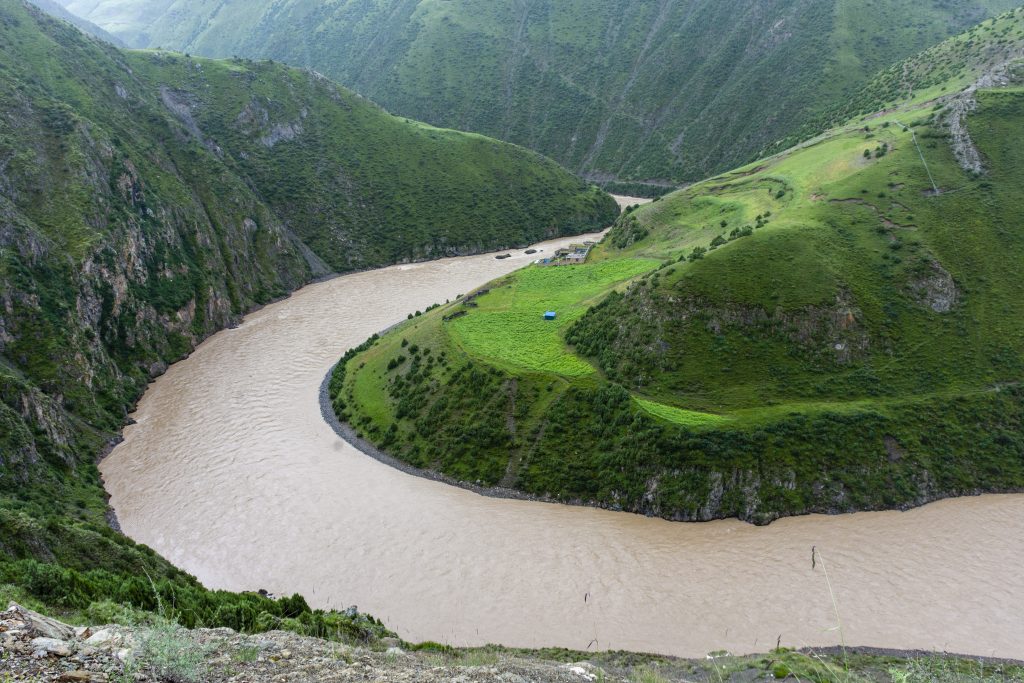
(120, 248)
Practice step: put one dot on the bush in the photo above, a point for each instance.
(172, 654)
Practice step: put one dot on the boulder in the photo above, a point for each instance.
(51, 646)
(36, 624)
(105, 638)
(585, 670)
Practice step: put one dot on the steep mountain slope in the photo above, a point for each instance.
(146, 201)
(362, 188)
(835, 328)
(616, 89)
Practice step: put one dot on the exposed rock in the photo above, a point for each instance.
(104, 638)
(893, 449)
(584, 670)
(83, 677)
(937, 290)
(281, 132)
(33, 624)
(960, 106)
(51, 646)
(180, 104)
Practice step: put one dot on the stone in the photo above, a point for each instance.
(396, 651)
(51, 646)
(38, 625)
(390, 642)
(584, 670)
(103, 638)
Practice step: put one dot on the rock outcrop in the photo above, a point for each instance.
(37, 648)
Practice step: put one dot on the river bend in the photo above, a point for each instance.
(232, 474)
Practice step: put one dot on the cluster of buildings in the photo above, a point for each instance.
(573, 255)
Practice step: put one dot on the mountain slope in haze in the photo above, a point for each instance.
(614, 89)
(821, 331)
(55, 9)
(148, 200)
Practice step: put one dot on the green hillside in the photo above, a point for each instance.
(817, 331)
(360, 187)
(148, 200)
(616, 89)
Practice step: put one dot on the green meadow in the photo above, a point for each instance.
(508, 329)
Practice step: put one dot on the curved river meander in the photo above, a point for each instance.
(232, 474)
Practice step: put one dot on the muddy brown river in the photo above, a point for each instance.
(232, 474)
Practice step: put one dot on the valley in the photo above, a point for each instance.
(270, 346)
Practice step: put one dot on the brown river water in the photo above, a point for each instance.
(232, 474)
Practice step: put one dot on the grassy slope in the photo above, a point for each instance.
(821, 362)
(507, 327)
(140, 211)
(612, 88)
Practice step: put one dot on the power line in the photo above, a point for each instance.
(913, 135)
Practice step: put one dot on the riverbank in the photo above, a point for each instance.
(34, 647)
(349, 434)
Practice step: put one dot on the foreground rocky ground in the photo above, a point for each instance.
(34, 647)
